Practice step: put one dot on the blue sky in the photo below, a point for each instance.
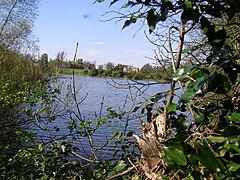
(61, 24)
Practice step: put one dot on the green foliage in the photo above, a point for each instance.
(17, 67)
(21, 155)
(16, 22)
(93, 72)
(205, 145)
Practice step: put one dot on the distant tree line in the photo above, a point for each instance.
(60, 64)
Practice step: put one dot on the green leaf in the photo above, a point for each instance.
(234, 117)
(231, 131)
(120, 166)
(182, 73)
(216, 139)
(118, 135)
(234, 147)
(223, 152)
(174, 155)
(130, 133)
(234, 167)
(114, 1)
(157, 97)
(172, 107)
(188, 95)
(206, 157)
(179, 75)
(18, 133)
(199, 72)
(152, 20)
(200, 118)
(132, 20)
(164, 12)
(135, 109)
(188, 4)
(219, 83)
(216, 37)
(190, 14)
(206, 26)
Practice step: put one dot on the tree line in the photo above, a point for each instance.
(60, 65)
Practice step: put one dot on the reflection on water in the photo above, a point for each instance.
(95, 96)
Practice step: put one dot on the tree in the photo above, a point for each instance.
(60, 58)
(169, 145)
(89, 65)
(100, 69)
(109, 66)
(93, 72)
(147, 68)
(44, 58)
(119, 67)
(43, 62)
(17, 18)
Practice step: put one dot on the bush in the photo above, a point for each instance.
(85, 71)
(107, 73)
(18, 68)
(93, 72)
(117, 74)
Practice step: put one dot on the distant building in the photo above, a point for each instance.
(130, 68)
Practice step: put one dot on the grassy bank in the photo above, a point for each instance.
(82, 72)
(77, 72)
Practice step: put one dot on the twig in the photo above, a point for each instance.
(74, 86)
(83, 158)
(129, 160)
(122, 173)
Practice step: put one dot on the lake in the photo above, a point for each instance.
(94, 97)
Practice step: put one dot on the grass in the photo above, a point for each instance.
(77, 72)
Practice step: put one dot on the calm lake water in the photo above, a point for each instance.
(94, 96)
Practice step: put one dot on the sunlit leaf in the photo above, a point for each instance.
(234, 117)
(200, 118)
(188, 4)
(120, 166)
(188, 95)
(216, 139)
(172, 107)
(234, 167)
(174, 155)
(182, 73)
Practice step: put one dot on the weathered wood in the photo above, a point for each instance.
(149, 143)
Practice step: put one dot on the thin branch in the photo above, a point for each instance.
(122, 173)
(7, 18)
(170, 46)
